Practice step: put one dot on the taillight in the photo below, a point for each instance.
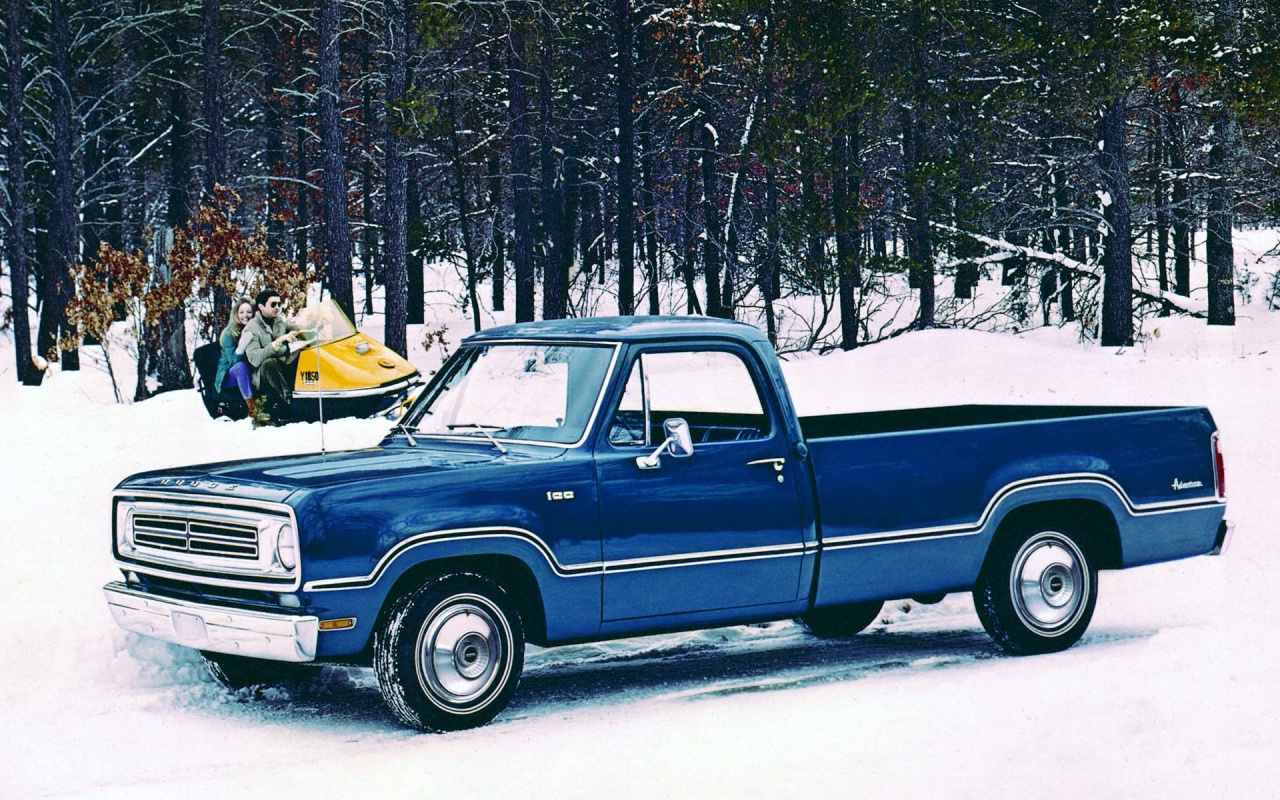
(1219, 468)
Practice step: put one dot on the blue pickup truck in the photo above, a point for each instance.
(586, 479)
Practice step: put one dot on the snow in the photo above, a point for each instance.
(1169, 694)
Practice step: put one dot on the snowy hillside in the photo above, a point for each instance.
(1169, 695)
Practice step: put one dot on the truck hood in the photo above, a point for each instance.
(278, 477)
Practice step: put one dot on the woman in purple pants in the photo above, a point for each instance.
(232, 364)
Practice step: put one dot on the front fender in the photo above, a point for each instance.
(375, 533)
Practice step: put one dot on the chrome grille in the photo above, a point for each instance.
(201, 537)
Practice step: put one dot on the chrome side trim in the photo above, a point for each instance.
(433, 537)
(256, 634)
(712, 556)
(749, 553)
(972, 529)
(562, 570)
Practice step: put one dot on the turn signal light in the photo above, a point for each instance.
(337, 624)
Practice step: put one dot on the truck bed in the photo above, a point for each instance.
(921, 419)
(909, 500)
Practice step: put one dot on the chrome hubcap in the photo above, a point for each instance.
(1049, 583)
(460, 651)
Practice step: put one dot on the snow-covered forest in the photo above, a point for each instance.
(835, 172)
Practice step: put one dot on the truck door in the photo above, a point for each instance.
(718, 529)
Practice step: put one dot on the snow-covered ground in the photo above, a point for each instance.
(1170, 694)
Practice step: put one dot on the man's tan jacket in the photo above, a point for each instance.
(256, 341)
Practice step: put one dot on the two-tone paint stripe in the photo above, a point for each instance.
(975, 528)
(750, 553)
(561, 570)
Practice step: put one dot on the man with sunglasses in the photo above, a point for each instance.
(265, 343)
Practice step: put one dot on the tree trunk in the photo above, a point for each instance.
(687, 267)
(303, 211)
(337, 222)
(93, 214)
(626, 156)
(712, 225)
(18, 236)
(273, 146)
(415, 237)
(1161, 201)
(63, 217)
(1117, 259)
(1220, 216)
(369, 233)
(462, 202)
(395, 210)
(215, 140)
(815, 238)
(555, 290)
(771, 262)
(497, 239)
(919, 238)
(555, 279)
(1181, 210)
(648, 210)
(846, 189)
(521, 179)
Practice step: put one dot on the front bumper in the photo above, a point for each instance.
(1223, 541)
(256, 634)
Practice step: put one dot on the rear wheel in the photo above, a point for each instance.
(450, 653)
(1037, 592)
(838, 622)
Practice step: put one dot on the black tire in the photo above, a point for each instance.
(839, 622)
(450, 653)
(239, 672)
(1037, 591)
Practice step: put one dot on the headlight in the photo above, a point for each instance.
(287, 547)
(124, 529)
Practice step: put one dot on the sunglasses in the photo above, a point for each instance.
(273, 304)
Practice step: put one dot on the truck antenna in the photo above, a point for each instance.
(320, 399)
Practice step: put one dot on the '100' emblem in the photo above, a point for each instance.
(559, 495)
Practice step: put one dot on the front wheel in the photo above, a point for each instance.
(1037, 592)
(450, 653)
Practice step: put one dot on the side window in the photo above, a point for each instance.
(710, 389)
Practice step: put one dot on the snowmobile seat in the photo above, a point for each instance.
(228, 402)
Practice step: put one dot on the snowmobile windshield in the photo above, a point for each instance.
(524, 392)
(323, 322)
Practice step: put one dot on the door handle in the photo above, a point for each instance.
(778, 463)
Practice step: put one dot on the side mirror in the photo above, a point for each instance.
(679, 443)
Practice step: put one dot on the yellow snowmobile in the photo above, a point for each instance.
(341, 372)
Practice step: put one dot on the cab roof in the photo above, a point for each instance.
(623, 329)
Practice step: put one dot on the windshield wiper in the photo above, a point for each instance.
(408, 433)
(484, 429)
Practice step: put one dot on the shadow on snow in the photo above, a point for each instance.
(560, 680)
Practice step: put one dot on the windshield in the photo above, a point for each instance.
(323, 322)
(522, 392)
